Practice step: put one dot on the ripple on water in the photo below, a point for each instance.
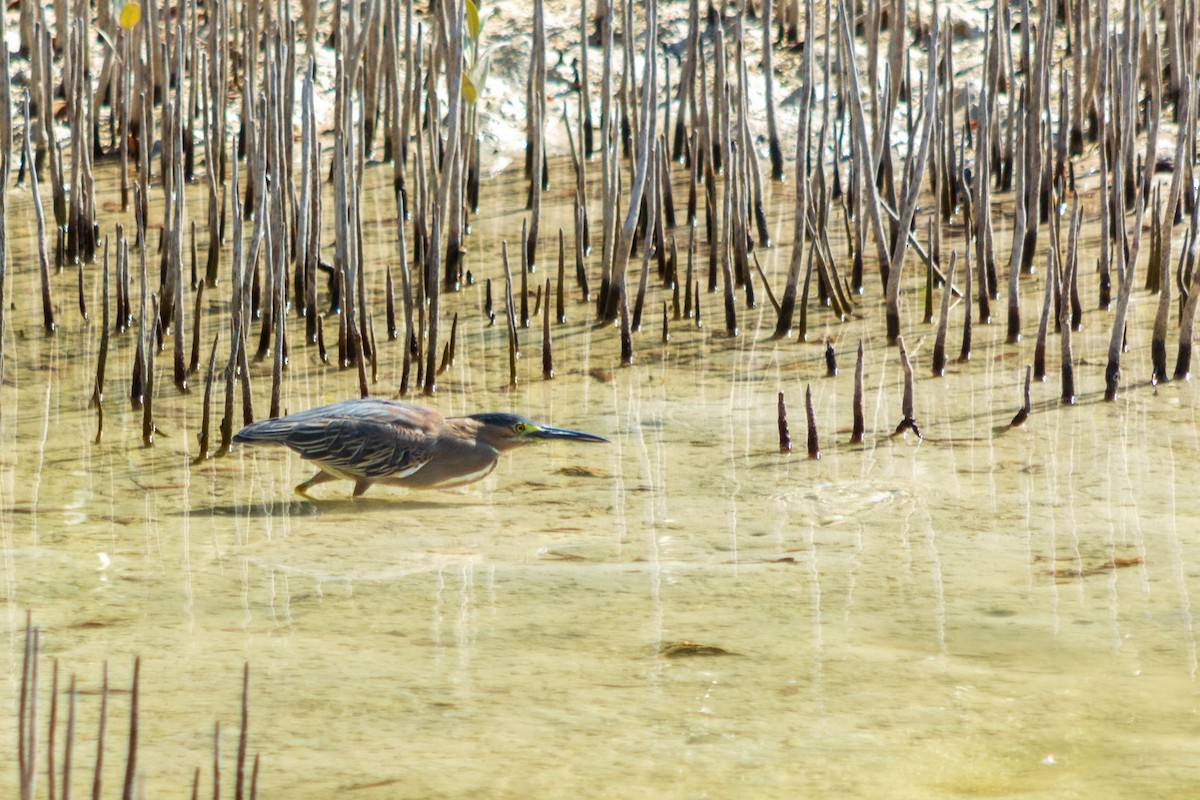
(842, 499)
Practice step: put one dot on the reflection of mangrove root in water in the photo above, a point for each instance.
(28, 736)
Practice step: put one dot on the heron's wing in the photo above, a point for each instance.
(370, 409)
(361, 448)
(367, 438)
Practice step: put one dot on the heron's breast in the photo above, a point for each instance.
(470, 477)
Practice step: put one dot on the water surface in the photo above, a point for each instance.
(985, 612)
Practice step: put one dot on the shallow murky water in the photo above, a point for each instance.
(982, 612)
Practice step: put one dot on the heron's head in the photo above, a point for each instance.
(506, 431)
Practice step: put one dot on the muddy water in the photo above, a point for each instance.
(982, 612)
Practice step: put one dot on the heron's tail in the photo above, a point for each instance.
(265, 430)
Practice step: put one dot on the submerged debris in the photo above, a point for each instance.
(1073, 571)
(685, 648)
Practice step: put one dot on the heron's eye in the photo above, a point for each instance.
(520, 427)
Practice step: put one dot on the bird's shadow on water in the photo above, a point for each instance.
(317, 508)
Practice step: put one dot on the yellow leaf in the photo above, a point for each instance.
(473, 26)
(130, 14)
(468, 89)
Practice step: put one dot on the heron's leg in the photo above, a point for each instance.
(361, 485)
(315, 480)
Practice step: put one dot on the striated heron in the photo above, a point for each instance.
(373, 441)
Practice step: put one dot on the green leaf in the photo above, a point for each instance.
(468, 89)
(473, 25)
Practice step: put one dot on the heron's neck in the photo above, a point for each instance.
(469, 434)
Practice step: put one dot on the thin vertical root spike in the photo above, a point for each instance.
(814, 447)
(856, 436)
(243, 733)
(785, 439)
(547, 354)
(204, 454)
(131, 751)
(909, 421)
(1023, 413)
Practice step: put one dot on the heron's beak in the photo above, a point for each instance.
(562, 433)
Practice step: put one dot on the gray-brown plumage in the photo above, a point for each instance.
(373, 441)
